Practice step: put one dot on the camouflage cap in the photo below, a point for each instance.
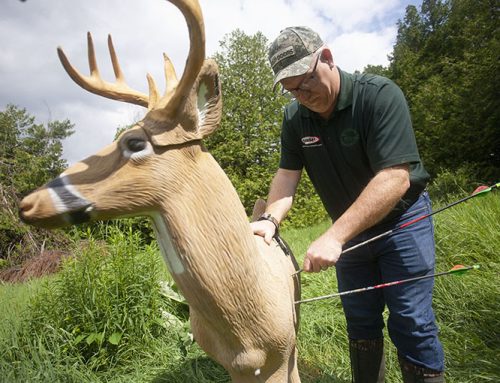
(291, 53)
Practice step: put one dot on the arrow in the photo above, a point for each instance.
(456, 270)
(480, 191)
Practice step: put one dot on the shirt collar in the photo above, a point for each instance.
(345, 94)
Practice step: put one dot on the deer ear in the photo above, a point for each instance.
(200, 116)
(209, 99)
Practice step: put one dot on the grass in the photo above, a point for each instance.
(42, 322)
(468, 306)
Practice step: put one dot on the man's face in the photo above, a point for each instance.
(312, 89)
(299, 84)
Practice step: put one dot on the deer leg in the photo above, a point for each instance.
(243, 365)
(293, 376)
(208, 340)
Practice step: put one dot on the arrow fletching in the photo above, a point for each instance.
(485, 189)
(461, 269)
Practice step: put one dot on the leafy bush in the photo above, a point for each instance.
(101, 231)
(106, 301)
(449, 185)
(307, 208)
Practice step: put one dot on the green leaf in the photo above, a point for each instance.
(167, 291)
(115, 338)
(91, 338)
(79, 338)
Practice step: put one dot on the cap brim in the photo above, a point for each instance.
(296, 69)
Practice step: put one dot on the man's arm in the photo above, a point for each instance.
(279, 201)
(376, 201)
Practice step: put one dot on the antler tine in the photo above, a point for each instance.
(95, 84)
(114, 60)
(170, 75)
(194, 18)
(94, 70)
(153, 92)
(171, 80)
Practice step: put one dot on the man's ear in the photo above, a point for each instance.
(327, 56)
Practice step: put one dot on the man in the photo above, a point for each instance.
(353, 135)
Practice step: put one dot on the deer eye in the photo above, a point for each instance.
(136, 145)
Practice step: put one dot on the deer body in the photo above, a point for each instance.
(239, 289)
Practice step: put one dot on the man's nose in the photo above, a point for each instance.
(302, 94)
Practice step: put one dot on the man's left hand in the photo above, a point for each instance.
(322, 253)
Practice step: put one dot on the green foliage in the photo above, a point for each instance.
(247, 144)
(112, 314)
(446, 60)
(451, 185)
(37, 343)
(377, 69)
(30, 155)
(105, 301)
(467, 306)
(102, 230)
(307, 208)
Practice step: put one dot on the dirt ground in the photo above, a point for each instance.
(48, 262)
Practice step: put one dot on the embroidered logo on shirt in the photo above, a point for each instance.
(349, 137)
(311, 141)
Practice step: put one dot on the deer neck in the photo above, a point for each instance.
(204, 232)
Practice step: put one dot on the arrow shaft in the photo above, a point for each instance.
(383, 285)
(418, 219)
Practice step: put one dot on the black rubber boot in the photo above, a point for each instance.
(367, 360)
(416, 374)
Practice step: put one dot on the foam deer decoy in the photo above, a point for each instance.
(240, 290)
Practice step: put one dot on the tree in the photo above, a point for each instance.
(446, 60)
(377, 69)
(247, 144)
(30, 155)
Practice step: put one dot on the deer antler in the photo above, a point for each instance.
(95, 84)
(192, 13)
(175, 93)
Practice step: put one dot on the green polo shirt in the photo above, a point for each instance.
(369, 130)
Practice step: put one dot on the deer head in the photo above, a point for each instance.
(149, 153)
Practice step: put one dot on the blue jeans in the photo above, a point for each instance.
(406, 253)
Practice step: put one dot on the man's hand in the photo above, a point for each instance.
(373, 204)
(322, 253)
(279, 202)
(265, 229)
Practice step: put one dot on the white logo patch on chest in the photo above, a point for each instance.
(311, 141)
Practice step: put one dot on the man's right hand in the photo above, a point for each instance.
(265, 229)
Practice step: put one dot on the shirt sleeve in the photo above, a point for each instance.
(391, 140)
(291, 151)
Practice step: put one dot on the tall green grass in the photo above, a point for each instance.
(468, 306)
(106, 318)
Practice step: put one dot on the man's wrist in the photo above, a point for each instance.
(270, 218)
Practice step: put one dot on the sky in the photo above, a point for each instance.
(360, 32)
